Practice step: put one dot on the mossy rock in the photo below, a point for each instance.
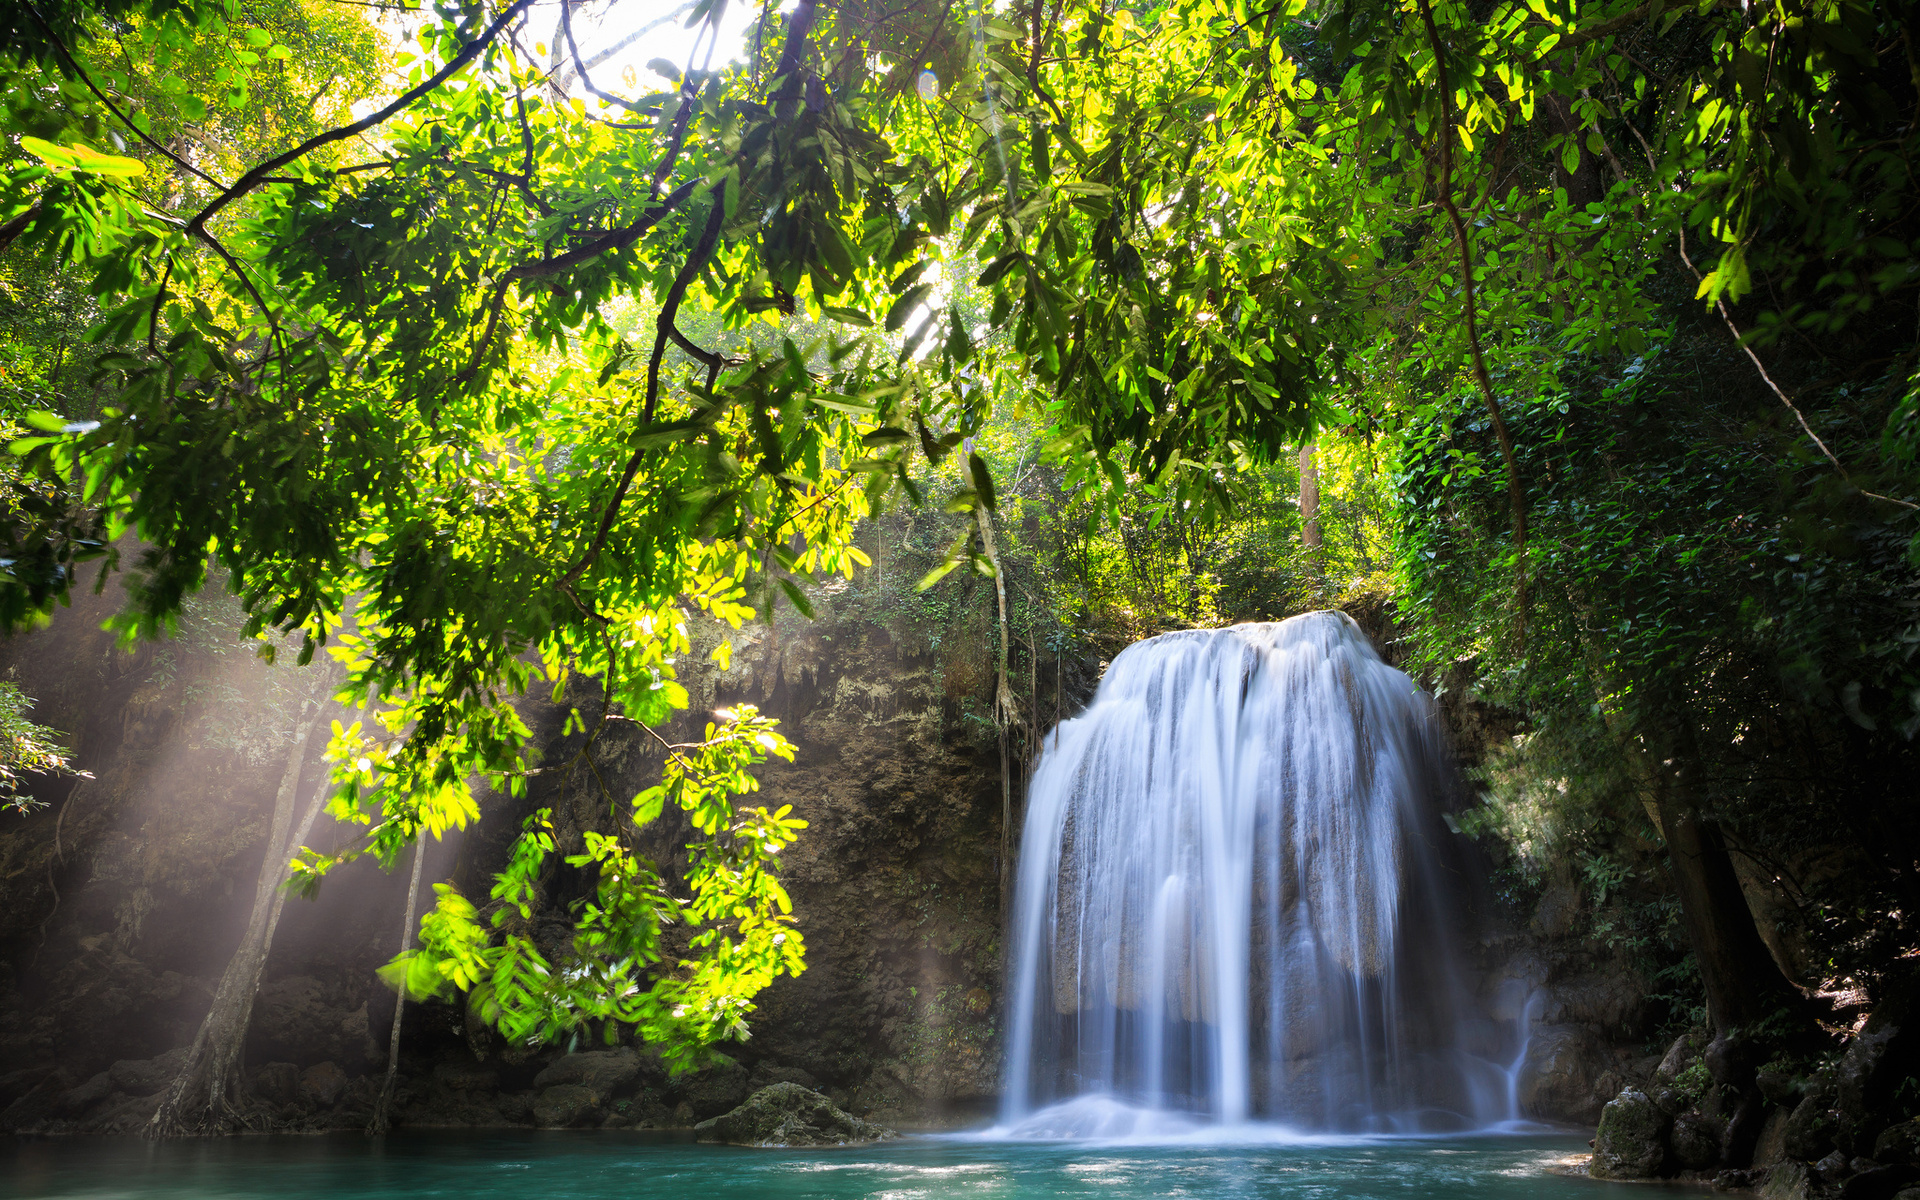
(786, 1114)
(1631, 1142)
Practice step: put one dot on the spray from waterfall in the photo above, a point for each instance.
(1233, 899)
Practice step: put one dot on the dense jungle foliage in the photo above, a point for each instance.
(482, 363)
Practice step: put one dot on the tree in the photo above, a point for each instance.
(394, 393)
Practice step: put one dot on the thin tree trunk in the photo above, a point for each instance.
(380, 1123)
(1005, 707)
(203, 1096)
(1309, 498)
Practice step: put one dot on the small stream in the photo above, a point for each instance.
(1253, 1162)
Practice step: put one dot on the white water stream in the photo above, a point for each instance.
(1232, 901)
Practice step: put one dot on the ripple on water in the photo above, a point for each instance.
(525, 1166)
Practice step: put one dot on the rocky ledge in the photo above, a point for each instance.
(786, 1114)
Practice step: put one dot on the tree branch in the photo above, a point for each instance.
(258, 174)
(1516, 498)
(73, 65)
(669, 310)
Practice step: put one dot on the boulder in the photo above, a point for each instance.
(37, 1105)
(278, 1083)
(1695, 1141)
(15, 1084)
(322, 1085)
(1879, 1057)
(1564, 1063)
(472, 1076)
(1879, 1183)
(1834, 1167)
(1788, 1181)
(130, 1114)
(1780, 1086)
(786, 1114)
(294, 1019)
(1679, 1056)
(606, 1072)
(74, 1101)
(565, 1105)
(1631, 1142)
(766, 1074)
(716, 1090)
(145, 1076)
(1898, 1143)
(1810, 1130)
(1772, 1146)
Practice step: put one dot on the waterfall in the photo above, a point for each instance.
(1229, 901)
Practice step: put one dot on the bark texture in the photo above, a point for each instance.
(206, 1096)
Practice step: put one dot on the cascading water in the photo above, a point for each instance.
(1229, 902)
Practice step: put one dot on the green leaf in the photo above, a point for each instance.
(904, 306)
(80, 158)
(982, 479)
(937, 574)
(798, 597)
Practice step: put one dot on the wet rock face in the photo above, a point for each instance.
(1631, 1142)
(566, 1105)
(786, 1114)
(1811, 1128)
(1695, 1141)
(322, 1085)
(144, 1077)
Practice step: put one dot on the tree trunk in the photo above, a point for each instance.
(1309, 498)
(1744, 985)
(203, 1096)
(1005, 708)
(380, 1123)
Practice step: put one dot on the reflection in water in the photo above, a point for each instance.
(568, 1165)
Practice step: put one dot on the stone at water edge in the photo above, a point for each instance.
(1631, 1142)
(322, 1085)
(786, 1114)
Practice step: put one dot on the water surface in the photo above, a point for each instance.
(556, 1165)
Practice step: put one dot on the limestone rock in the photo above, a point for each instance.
(1772, 1146)
(1898, 1143)
(1810, 1129)
(786, 1114)
(130, 1114)
(1631, 1142)
(294, 1019)
(34, 1107)
(1788, 1181)
(716, 1090)
(606, 1072)
(1679, 1056)
(1781, 1086)
(1879, 1183)
(278, 1083)
(1562, 1068)
(1834, 1167)
(322, 1085)
(145, 1076)
(74, 1101)
(473, 1077)
(1695, 1141)
(1558, 913)
(565, 1105)
(1880, 1056)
